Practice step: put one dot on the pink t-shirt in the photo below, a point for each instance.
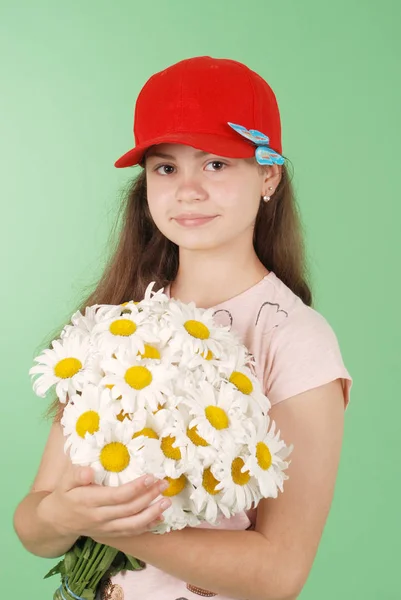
(295, 350)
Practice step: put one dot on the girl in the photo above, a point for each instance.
(212, 218)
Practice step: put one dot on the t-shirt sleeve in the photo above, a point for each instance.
(303, 353)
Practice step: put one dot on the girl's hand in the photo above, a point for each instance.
(77, 506)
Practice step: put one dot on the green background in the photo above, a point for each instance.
(70, 74)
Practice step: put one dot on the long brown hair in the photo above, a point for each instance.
(142, 254)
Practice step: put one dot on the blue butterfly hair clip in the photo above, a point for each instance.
(263, 154)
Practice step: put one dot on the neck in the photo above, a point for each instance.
(214, 276)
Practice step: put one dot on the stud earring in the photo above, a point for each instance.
(267, 198)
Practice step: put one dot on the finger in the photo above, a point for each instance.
(139, 522)
(86, 475)
(156, 522)
(77, 477)
(136, 505)
(112, 496)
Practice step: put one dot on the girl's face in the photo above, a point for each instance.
(202, 201)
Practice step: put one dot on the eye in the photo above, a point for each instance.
(157, 169)
(218, 165)
(217, 162)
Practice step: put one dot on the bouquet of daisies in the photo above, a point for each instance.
(158, 387)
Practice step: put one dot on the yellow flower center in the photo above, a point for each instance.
(166, 445)
(150, 352)
(195, 437)
(263, 456)
(217, 417)
(238, 477)
(209, 482)
(114, 457)
(88, 422)
(148, 432)
(124, 327)
(175, 485)
(241, 382)
(208, 356)
(123, 415)
(138, 377)
(67, 367)
(197, 329)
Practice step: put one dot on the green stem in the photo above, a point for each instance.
(113, 553)
(80, 566)
(97, 580)
(77, 571)
(89, 562)
(93, 566)
(76, 575)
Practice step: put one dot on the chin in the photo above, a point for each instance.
(193, 240)
(194, 245)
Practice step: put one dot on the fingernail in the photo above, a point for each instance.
(163, 485)
(149, 481)
(165, 504)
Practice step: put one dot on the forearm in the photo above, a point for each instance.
(36, 531)
(239, 564)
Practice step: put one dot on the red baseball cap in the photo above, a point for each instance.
(192, 102)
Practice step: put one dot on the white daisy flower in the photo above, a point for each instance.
(93, 315)
(267, 458)
(151, 424)
(158, 296)
(218, 414)
(84, 414)
(157, 353)
(182, 512)
(63, 366)
(93, 373)
(126, 306)
(111, 454)
(194, 331)
(138, 384)
(239, 368)
(123, 331)
(156, 460)
(154, 302)
(205, 365)
(186, 383)
(239, 489)
(207, 499)
(237, 357)
(165, 454)
(199, 451)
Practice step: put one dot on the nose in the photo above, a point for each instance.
(190, 189)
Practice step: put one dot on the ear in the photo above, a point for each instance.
(271, 177)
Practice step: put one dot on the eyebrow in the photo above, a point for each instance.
(198, 154)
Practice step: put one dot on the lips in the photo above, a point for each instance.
(193, 219)
(190, 216)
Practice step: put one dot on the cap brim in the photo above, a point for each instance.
(208, 142)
